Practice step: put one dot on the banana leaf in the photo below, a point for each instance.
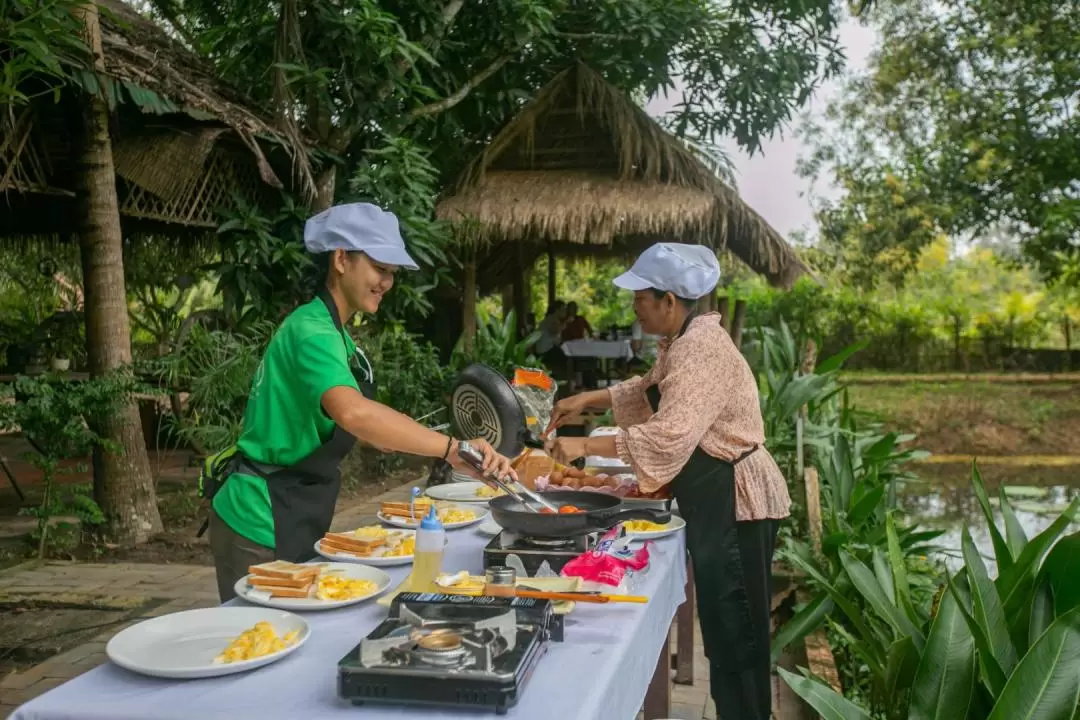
(945, 678)
(1016, 584)
(1002, 554)
(875, 660)
(884, 574)
(1062, 571)
(901, 663)
(865, 506)
(993, 676)
(802, 624)
(986, 606)
(1042, 609)
(898, 566)
(867, 585)
(1015, 537)
(1046, 683)
(828, 703)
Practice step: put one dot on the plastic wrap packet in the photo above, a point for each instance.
(536, 391)
(612, 566)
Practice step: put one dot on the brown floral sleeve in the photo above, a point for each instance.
(692, 390)
(628, 401)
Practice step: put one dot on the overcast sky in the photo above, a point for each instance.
(768, 181)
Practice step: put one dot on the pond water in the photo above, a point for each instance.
(943, 498)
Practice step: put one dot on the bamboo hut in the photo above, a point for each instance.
(583, 171)
(185, 144)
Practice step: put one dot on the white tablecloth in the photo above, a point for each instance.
(608, 349)
(600, 672)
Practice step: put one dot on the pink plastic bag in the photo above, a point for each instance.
(607, 567)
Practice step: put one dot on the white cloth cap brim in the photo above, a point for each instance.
(630, 281)
(391, 256)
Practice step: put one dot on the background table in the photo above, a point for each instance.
(602, 349)
(600, 672)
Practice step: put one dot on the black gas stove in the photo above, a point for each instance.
(532, 553)
(450, 650)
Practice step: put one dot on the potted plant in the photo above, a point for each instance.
(61, 350)
(63, 340)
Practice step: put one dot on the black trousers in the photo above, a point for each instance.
(732, 564)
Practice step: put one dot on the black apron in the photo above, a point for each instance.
(303, 495)
(732, 572)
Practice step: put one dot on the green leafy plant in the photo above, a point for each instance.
(497, 345)
(56, 415)
(996, 648)
(215, 368)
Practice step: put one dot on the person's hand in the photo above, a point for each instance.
(566, 450)
(495, 465)
(565, 410)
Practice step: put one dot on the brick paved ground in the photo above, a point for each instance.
(184, 587)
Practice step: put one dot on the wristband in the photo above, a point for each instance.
(449, 445)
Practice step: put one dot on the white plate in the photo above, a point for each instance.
(413, 524)
(458, 492)
(183, 645)
(489, 527)
(375, 560)
(349, 570)
(673, 526)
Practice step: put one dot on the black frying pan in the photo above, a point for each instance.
(483, 405)
(601, 512)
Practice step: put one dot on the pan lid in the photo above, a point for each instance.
(483, 405)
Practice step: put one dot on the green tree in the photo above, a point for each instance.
(968, 112)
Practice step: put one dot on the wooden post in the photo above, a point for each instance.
(737, 320)
(813, 506)
(506, 292)
(521, 305)
(658, 696)
(468, 303)
(722, 308)
(684, 633)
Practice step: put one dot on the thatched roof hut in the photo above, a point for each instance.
(582, 170)
(184, 143)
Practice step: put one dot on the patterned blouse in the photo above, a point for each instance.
(709, 398)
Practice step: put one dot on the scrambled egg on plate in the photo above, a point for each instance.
(643, 526)
(259, 641)
(396, 543)
(332, 586)
(488, 492)
(456, 515)
(404, 548)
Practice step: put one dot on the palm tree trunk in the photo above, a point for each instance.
(126, 490)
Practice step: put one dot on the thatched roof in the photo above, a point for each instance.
(184, 142)
(583, 168)
(162, 76)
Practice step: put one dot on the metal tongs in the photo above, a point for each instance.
(520, 493)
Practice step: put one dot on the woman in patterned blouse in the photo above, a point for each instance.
(693, 424)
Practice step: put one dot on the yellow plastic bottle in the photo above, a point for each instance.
(427, 556)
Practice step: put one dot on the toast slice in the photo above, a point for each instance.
(267, 582)
(352, 544)
(403, 510)
(289, 592)
(284, 570)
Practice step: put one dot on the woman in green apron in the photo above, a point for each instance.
(311, 399)
(693, 423)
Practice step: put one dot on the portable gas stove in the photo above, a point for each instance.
(533, 552)
(450, 650)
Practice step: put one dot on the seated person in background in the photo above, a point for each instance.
(551, 327)
(577, 327)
